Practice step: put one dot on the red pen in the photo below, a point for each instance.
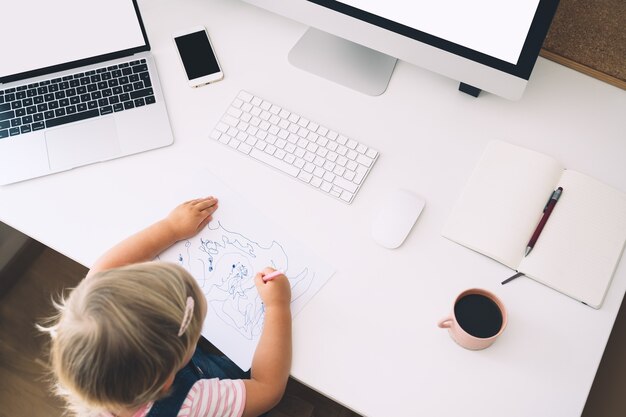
(547, 211)
(271, 276)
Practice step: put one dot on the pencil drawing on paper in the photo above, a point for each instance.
(225, 262)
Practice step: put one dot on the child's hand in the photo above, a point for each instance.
(274, 293)
(189, 218)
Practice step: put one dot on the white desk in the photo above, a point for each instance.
(369, 338)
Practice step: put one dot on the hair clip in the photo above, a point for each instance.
(186, 317)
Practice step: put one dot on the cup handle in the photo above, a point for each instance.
(445, 323)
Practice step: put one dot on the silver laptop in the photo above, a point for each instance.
(78, 85)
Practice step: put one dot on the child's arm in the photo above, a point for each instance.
(272, 358)
(183, 222)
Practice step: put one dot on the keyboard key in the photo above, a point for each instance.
(142, 93)
(139, 68)
(14, 131)
(346, 196)
(38, 126)
(345, 184)
(362, 159)
(245, 96)
(72, 118)
(316, 181)
(7, 115)
(361, 171)
(150, 100)
(5, 124)
(4, 133)
(305, 176)
(5, 107)
(269, 160)
(25, 129)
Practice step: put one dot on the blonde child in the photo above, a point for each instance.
(124, 341)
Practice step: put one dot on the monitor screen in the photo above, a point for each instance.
(52, 33)
(503, 35)
(466, 23)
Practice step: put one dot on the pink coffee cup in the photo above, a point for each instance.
(478, 318)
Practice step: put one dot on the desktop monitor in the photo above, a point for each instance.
(489, 45)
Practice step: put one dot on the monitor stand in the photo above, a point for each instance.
(342, 61)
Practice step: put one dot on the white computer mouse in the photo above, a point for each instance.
(395, 219)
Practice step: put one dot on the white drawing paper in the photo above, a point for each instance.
(224, 258)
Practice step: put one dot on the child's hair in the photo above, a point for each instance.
(115, 338)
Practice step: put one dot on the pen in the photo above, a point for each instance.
(547, 211)
(271, 276)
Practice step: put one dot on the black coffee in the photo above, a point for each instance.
(478, 315)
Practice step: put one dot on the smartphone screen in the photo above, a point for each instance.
(197, 55)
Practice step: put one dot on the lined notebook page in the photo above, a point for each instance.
(503, 201)
(582, 241)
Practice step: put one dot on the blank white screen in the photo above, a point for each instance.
(494, 27)
(38, 34)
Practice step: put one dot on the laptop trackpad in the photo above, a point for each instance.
(82, 143)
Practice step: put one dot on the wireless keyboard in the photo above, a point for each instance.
(305, 150)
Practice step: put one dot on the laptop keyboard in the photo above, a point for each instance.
(54, 102)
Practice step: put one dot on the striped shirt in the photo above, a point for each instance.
(215, 398)
(209, 398)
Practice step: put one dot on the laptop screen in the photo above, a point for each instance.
(46, 36)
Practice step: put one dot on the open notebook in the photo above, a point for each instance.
(502, 203)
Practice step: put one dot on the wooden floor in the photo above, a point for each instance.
(41, 273)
